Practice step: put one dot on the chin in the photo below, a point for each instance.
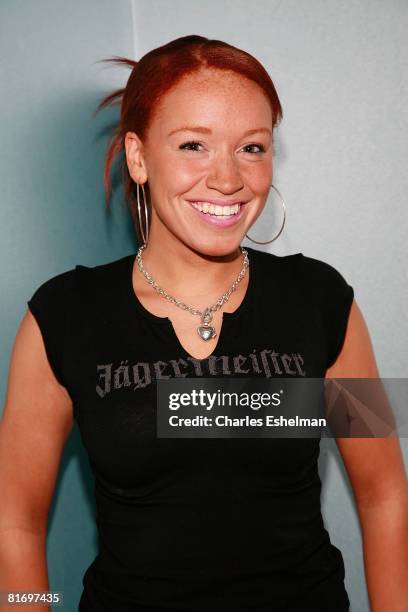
(219, 247)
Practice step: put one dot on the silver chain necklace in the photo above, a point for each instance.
(205, 330)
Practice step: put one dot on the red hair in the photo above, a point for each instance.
(154, 75)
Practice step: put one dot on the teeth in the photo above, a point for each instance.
(219, 211)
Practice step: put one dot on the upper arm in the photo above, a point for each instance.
(36, 421)
(375, 465)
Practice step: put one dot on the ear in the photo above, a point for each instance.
(135, 158)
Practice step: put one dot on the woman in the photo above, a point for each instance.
(194, 524)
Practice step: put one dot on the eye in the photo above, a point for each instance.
(261, 147)
(192, 143)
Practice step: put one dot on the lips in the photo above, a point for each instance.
(216, 210)
(218, 219)
(218, 201)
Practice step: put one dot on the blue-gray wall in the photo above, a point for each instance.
(340, 68)
(52, 201)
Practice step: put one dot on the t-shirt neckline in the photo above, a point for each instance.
(243, 306)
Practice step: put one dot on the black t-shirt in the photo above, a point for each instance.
(198, 524)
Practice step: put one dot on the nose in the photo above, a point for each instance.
(224, 174)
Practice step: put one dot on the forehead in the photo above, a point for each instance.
(219, 99)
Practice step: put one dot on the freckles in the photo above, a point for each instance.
(263, 175)
(258, 178)
(188, 169)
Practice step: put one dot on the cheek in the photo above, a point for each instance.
(183, 174)
(176, 167)
(258, 178)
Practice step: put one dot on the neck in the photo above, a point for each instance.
(189, 274)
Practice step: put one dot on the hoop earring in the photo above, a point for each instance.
(284, 218)
(139, 214)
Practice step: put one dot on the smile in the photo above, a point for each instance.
(218, 215)
(216, 210)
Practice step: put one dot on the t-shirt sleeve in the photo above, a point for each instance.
(334, 299)
(50, 306)
(339, 310)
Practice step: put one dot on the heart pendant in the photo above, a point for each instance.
(206, 332)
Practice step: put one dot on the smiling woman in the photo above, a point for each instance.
(197, 181)
(200, 524)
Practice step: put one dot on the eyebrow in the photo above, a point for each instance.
(204, 130)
